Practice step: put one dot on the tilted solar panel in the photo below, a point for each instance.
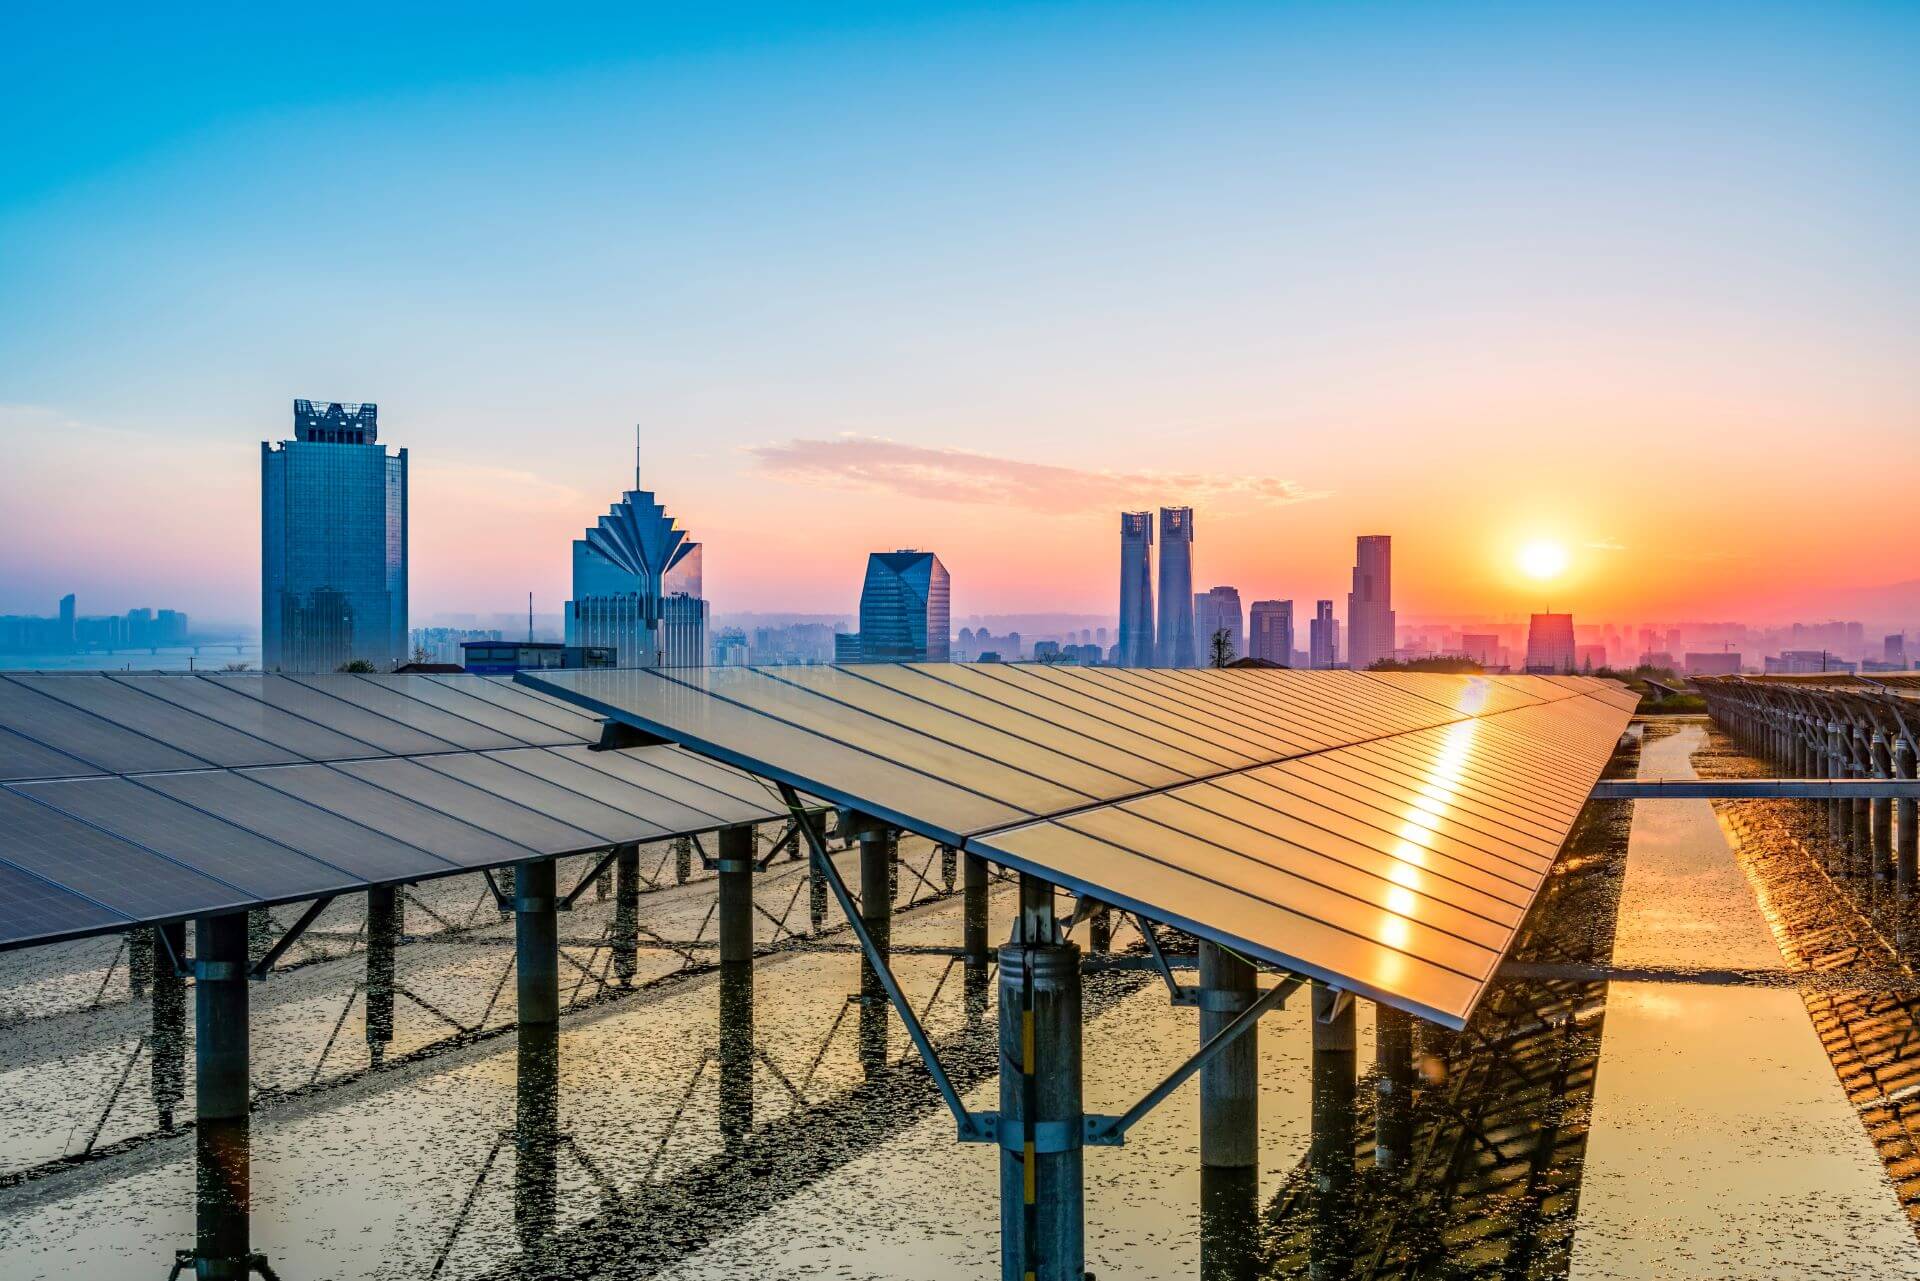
(1384, 832)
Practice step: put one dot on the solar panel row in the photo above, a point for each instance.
(1385, 832)
(134, 799)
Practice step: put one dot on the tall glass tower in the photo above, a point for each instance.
(1176, 647)
(905, 609)
(637, 587)
(333, 543)
(1136, 589)
(1370, 623)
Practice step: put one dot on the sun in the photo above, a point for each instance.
(1543, 560)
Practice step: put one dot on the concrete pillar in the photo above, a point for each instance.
(537, 945)
(1041, 1174)
(383, 934)
(1230, 1083)
(222, 1171)
(1393, 1088)
(1880, 810)
(626, 914)
(1330, 1150)
(1906, 853)
(876, 913)
(536, 1142)
(169, 1040)
(736, 894)
(973, 911)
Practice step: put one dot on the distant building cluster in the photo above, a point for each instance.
(66, 632)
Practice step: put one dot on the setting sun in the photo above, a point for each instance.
(1543, 560)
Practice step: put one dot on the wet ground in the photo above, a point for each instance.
(1735, 1109)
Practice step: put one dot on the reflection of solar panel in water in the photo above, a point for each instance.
(1380, 831)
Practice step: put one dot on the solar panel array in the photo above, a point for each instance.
(133, 799)
(1384, 832)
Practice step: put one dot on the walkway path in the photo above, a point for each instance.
(1722, 1145)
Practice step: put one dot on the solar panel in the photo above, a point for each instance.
(648, 806)
(456, 700)
(463, 843)
(501, 691)
(125, 705)
(290, 696)
(1384, 832)
(82, 735)
(386, 700)
(103, 868)
(266, 870)
(24, 758)
(216, 699)
(497, 776)
(721, 795)
(243, 800)
(534, 831)
(32, 910)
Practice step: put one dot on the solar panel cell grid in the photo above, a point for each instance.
(32, 909)
(82, 735)
(24, 758)
(102, 867)
(214, 699)
(129, 707)
(384, 700)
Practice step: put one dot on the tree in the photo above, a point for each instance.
(420, 654)
(1221, 647)
(358, 665)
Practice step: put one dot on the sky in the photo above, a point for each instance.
(1639, 280)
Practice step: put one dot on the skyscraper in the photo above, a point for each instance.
(1323, 636)
(905, 609)
(1176, 646)
(1270, 631)
(637, 586)
(1136, 589)
(1218, 610)
(1550, 647)
(333, 543)
(1370, 635)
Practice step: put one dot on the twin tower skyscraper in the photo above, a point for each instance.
(1166, 639)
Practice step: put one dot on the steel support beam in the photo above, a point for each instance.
(1229, 1084)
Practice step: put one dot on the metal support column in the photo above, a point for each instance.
(1393, 1087)
(1839, 812)
(1880, 809)
(1862, 807)
(682, 859)
(974, 910)
(735, 868)
(222, 1171)
(1906, 853)
(1042, 1224)
(140, 950)
(1229, 1084)
(1330, 1150)
(383, 933)
(626, 914)
(536, 944)
(876, 913)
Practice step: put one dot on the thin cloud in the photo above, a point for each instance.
(1605, 545)
(962, 476)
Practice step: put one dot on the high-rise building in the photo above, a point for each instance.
(1136, 589)
(1482, 647)
(1893, 648)
(1270, 631)
(333, 543)
(66, 632)
(1323, 636)
(1370, 603)
(1176, 647)
(637, 587)
(905, 609)
(1218, 610)
(1550, 647)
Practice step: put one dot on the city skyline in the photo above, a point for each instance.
(1425, 282)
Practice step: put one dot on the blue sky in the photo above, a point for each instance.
(1210, 249)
